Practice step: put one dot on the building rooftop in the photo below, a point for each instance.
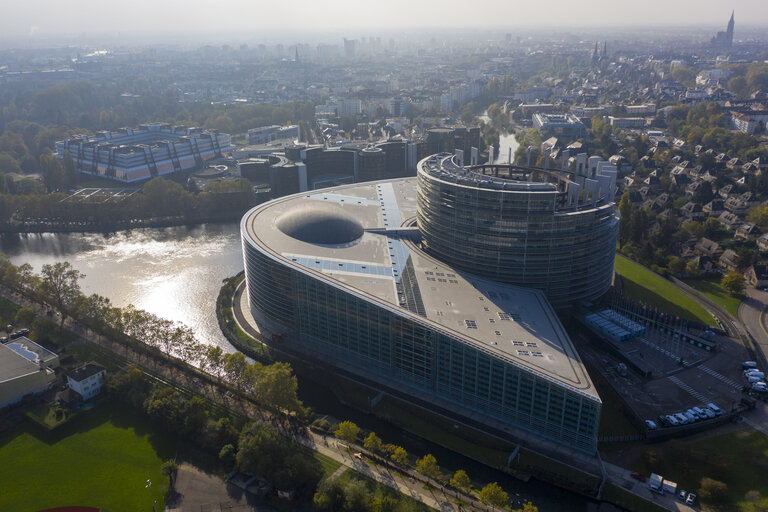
(363, 237)
(21, 357)
(86, 371)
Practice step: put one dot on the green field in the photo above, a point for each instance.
(102, 458)
(714, 291)
(640, 283)
(739, 459)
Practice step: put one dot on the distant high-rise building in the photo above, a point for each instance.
(349, 47)
(724, 40)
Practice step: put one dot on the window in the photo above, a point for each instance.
(523, 353)
(503, 315)
(518, 343)
(471, 324)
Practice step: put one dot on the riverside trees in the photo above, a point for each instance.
(274, 386)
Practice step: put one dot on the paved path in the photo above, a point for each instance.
(620, 477)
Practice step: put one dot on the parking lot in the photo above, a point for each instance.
(703, 377)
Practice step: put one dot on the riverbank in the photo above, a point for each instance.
(112, 226)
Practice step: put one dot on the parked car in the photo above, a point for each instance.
(673, 420)
(681, 495)
(682, 418)
(746, 365)
(690, 499)
(637, 476)
(650, 424)
(714, 409)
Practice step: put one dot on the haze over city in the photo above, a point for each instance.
(47, 18)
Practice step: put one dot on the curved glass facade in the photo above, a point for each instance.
(372, 339)
(517, 232)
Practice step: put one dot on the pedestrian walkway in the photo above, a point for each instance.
(720, 377)
(688, 389)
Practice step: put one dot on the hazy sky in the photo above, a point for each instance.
(54, 17)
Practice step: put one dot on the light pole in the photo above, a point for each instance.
(154, 504)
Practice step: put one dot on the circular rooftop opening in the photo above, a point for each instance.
(317, 222)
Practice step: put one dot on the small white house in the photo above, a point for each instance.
(88, 380)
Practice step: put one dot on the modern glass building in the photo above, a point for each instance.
(523, 226)
(340, 276)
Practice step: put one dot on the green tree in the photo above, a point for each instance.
(427, 466)
(60, 285)
(347, 431)
(24, 317)
(170, 469)
(460, 480)
(625, 219)
(227, 456)
(372, 442)
(713, 490)
(734, 282)
(399, 455)
(492, 494)
(276, 386)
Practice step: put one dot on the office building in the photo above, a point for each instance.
(134, 154)
(356, 278)
(564, 126)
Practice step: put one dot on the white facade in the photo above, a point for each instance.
(89, 380)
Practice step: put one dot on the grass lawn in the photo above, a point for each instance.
(641, 283)
(329, 465)
(377, 491)
(714, 291)
(738, 459)
(101, 458)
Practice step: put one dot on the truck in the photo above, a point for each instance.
(669, 486)
(655, 482)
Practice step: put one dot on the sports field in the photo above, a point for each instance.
(100, 459)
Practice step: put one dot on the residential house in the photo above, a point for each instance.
(757, 276)
(88, 380)
(692, 211)
(714, 207)
(707, 247)
(728, 259)
(747, 231)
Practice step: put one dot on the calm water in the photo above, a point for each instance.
(176, 273)
(173, 272)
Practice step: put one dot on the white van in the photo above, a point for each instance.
(714, 409)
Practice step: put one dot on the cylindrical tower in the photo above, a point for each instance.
(518, 225)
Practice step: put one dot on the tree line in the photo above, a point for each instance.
(159, 199)
(274, 386)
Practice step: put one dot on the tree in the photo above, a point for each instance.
(347, 431)
(625, 220)
(492, 494)
(427, 466)
(460, 480)
(24, 317)
(227, 456)
(276, 386)
(170, 469)
(734, 282)
(372, 442)
(713, 490)
(399, 455)
(60, 285)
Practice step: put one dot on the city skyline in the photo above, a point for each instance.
(44, 18)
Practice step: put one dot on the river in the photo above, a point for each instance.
(172, 272)
(507, 142)
(176, 273)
